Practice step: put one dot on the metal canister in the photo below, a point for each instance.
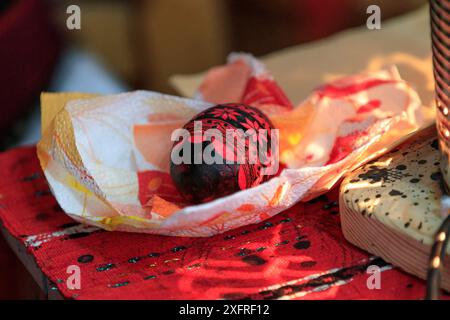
(440, 35)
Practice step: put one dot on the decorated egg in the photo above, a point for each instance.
(224, 149)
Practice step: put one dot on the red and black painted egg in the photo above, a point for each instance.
(235, 165)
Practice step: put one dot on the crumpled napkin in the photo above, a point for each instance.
(106, 158)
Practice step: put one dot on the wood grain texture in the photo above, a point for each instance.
(15, 281)
(389, 244)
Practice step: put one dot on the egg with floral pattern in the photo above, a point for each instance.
(222, 150)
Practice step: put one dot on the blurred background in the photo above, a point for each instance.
(144, 41)
(138, 44)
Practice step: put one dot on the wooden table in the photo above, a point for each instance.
(48, 290)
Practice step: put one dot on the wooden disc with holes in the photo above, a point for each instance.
(390, 207)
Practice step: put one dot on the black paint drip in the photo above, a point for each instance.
(85, 258)
(394, 193)
(254, 260)
(302, 245)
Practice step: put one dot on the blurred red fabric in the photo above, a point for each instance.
(29, 49)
